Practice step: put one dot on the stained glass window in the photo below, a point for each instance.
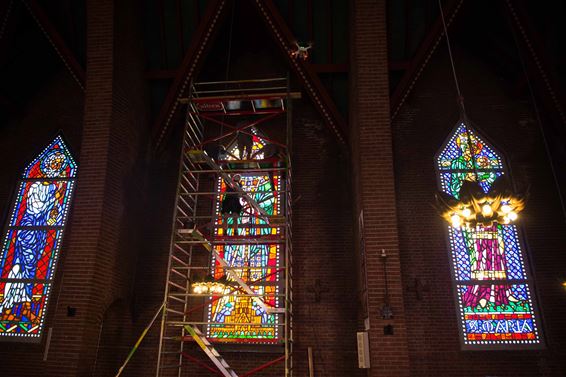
(238, 317)
(32, 241)
(493, 290)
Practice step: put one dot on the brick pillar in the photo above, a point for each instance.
(374, 183)
(73, 346)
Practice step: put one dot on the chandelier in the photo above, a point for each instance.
(475, 207)
(211, 286)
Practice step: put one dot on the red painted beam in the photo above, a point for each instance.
(303, 69)
(56, 41)
(424, 52)
(189, 66)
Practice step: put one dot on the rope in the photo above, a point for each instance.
(142, 336)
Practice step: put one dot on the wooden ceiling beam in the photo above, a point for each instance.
(55, 39)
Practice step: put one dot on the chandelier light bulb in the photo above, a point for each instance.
(512, 216)
(506, 208)
(197, 289)
(466, 212)
(486, 210)
(456, 221)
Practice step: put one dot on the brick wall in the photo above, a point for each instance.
(372, 160)
(323, 250)
(419, 130)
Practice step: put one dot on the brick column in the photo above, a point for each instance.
(374, 183)
(73, 346)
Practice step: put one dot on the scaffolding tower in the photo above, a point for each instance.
(217, 161)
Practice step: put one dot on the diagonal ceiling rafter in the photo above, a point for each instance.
(422, 56)
(189, 67)
(56, 41)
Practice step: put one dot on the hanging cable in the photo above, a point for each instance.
(539, 120)
(460, 97)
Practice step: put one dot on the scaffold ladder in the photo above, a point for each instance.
(195, 236)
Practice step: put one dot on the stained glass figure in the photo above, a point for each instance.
(238, 317)
(32, 241)
(493, 291)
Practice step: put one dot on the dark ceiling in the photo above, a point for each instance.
(482, 27)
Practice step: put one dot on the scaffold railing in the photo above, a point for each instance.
(236, 149)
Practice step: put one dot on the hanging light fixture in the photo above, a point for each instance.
(474, 206)
(211, 286)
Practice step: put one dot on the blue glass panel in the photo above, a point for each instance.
(514, 261)
(55, 161)
(31, 243)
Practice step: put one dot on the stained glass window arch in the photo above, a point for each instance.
(237, 318)
(32, 241)
(493, 289)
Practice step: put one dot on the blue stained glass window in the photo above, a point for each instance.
(32, 241)
(494, 297)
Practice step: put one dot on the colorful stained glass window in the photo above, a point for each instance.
(238, 317)
(491, 281)
(32, 241)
